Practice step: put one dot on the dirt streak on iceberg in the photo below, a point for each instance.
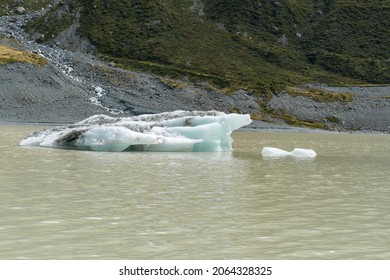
(178, 131)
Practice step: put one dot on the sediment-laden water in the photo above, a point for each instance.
(62, 204)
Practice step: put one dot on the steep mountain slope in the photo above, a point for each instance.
(352, 39)
(257, 45)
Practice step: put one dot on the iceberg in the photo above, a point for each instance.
(297, 152)
(178, 131)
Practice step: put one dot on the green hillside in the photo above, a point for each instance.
(353, 39)
(257, 45)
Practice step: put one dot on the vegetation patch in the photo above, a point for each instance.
(173, 84)
(286, 116)
(320, 95)
(333, 119)
(256, 117)
(235, 110)
(351, 38)
(291, 120)
(9, 55)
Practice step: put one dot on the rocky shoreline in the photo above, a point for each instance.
(75, 85)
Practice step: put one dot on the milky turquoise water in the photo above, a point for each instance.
(61, 204)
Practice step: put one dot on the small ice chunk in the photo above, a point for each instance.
(297, 152)
(274, 152)
(306, 153)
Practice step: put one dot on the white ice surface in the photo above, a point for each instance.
(297, 152)
(173, 131)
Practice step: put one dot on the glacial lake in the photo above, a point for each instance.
(62, 204)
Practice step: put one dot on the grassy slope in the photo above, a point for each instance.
(237, 43)
(353, 39)
(9, 55)
(179, 39)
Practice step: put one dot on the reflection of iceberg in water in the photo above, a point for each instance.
(174, 131)
(297, 152)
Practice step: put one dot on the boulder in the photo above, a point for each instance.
(20, 10)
